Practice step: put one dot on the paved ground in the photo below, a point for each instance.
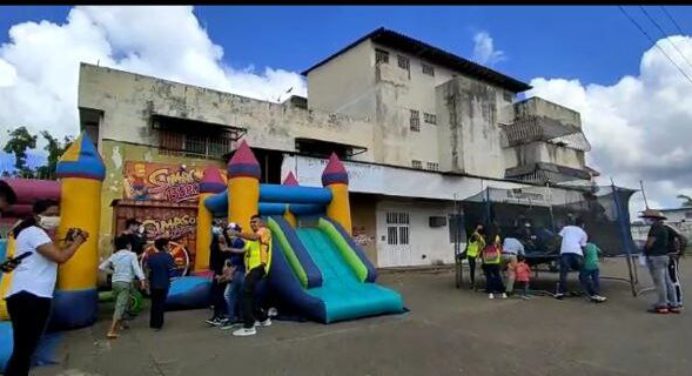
(448, 331)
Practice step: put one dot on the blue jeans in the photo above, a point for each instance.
(665, 291)
(591, 281)
(232, 295)
(568, 262)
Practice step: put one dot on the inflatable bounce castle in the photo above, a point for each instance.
(316, 269)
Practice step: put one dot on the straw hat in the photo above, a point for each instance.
(652, 213)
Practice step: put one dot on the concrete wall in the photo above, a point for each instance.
(427, 246)
(469, 135)
(128, 101)
(364, 224)
(536, 106)
(543, 152)
(345, 84)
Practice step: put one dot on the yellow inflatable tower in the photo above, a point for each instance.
(335, 178)
(243, 186)
(81, 172)
(212, 182)
(288, 216)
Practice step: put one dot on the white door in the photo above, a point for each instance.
(394, 248)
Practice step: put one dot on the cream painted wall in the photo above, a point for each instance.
(128, 101)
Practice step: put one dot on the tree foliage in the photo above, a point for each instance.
(686, 201)
(20, 141)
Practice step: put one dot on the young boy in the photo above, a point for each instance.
(161, 267)
(234, 274)
(124, 266)
(589, 275)
(523, 275)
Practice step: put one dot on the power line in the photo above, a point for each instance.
(654, 42)
(653, 21)
(670, 17)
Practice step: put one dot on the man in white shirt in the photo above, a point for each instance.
(124, 266)
(574, 238)
(511, 248)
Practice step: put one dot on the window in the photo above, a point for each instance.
(397, 228)
(433, 166)
(507, 96)
(403, 62)
(178, 136)
(381, 56)
(416, 164)
(428, 69)
(415, 121)
(430, 118)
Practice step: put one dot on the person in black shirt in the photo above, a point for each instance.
(217, 259)
(161, 266)
(135, 232)
(657, 259)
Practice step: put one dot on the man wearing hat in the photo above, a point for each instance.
(657, 259)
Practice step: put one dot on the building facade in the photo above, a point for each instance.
(418, 128)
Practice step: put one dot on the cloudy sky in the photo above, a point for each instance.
(635, 102)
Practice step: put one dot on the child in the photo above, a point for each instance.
(491, 256)
(124, 266)
(161, 267)
(523, 275)
(234, 274)
(589, 275)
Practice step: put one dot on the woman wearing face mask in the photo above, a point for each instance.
(30, 296)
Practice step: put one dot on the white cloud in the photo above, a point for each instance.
(39, 66)
(484, 51)
(640, 127)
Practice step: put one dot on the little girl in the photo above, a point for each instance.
(523, 273)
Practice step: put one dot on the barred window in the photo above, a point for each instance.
(416, 164)
(430, 118)
(404, 62)
(381, 56)
(433, 166)
(415, 121)
(428, 69)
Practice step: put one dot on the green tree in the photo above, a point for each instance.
(686, 201)
(55, 149)
(20, 140)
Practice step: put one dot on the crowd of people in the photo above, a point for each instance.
(507, 257)
(240, 261)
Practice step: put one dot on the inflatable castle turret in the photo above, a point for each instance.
(288, 215)
(81, 171)
(212, 183)
(335, 178)
(243, 186)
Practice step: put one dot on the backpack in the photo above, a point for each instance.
(676, 241)
(491, 254)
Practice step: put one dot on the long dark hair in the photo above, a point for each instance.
(39, 207)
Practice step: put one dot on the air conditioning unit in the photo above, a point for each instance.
(437, 221)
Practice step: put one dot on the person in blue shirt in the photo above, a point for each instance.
(234, 274)
(161, 266)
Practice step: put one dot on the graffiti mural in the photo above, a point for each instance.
(175, 227)
(144, 181)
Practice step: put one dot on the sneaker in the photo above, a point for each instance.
(272, 312)
(244, 332)
(265, 323)
(491, 296)
(659, 310)
(504, 295)
(598, 299)
(215, 321)
(525, 297)
(676, 310)
(559, 296)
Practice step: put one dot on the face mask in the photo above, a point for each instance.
(49, 222)
(216, 230)
(140, 230)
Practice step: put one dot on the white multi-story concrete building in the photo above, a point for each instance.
(418, 127)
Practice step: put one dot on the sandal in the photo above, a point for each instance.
(112, 335)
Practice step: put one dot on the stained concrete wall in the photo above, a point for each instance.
(536, 106)
(469, 135)
(539, 151)
(128, 100)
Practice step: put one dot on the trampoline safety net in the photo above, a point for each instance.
(548, 209)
